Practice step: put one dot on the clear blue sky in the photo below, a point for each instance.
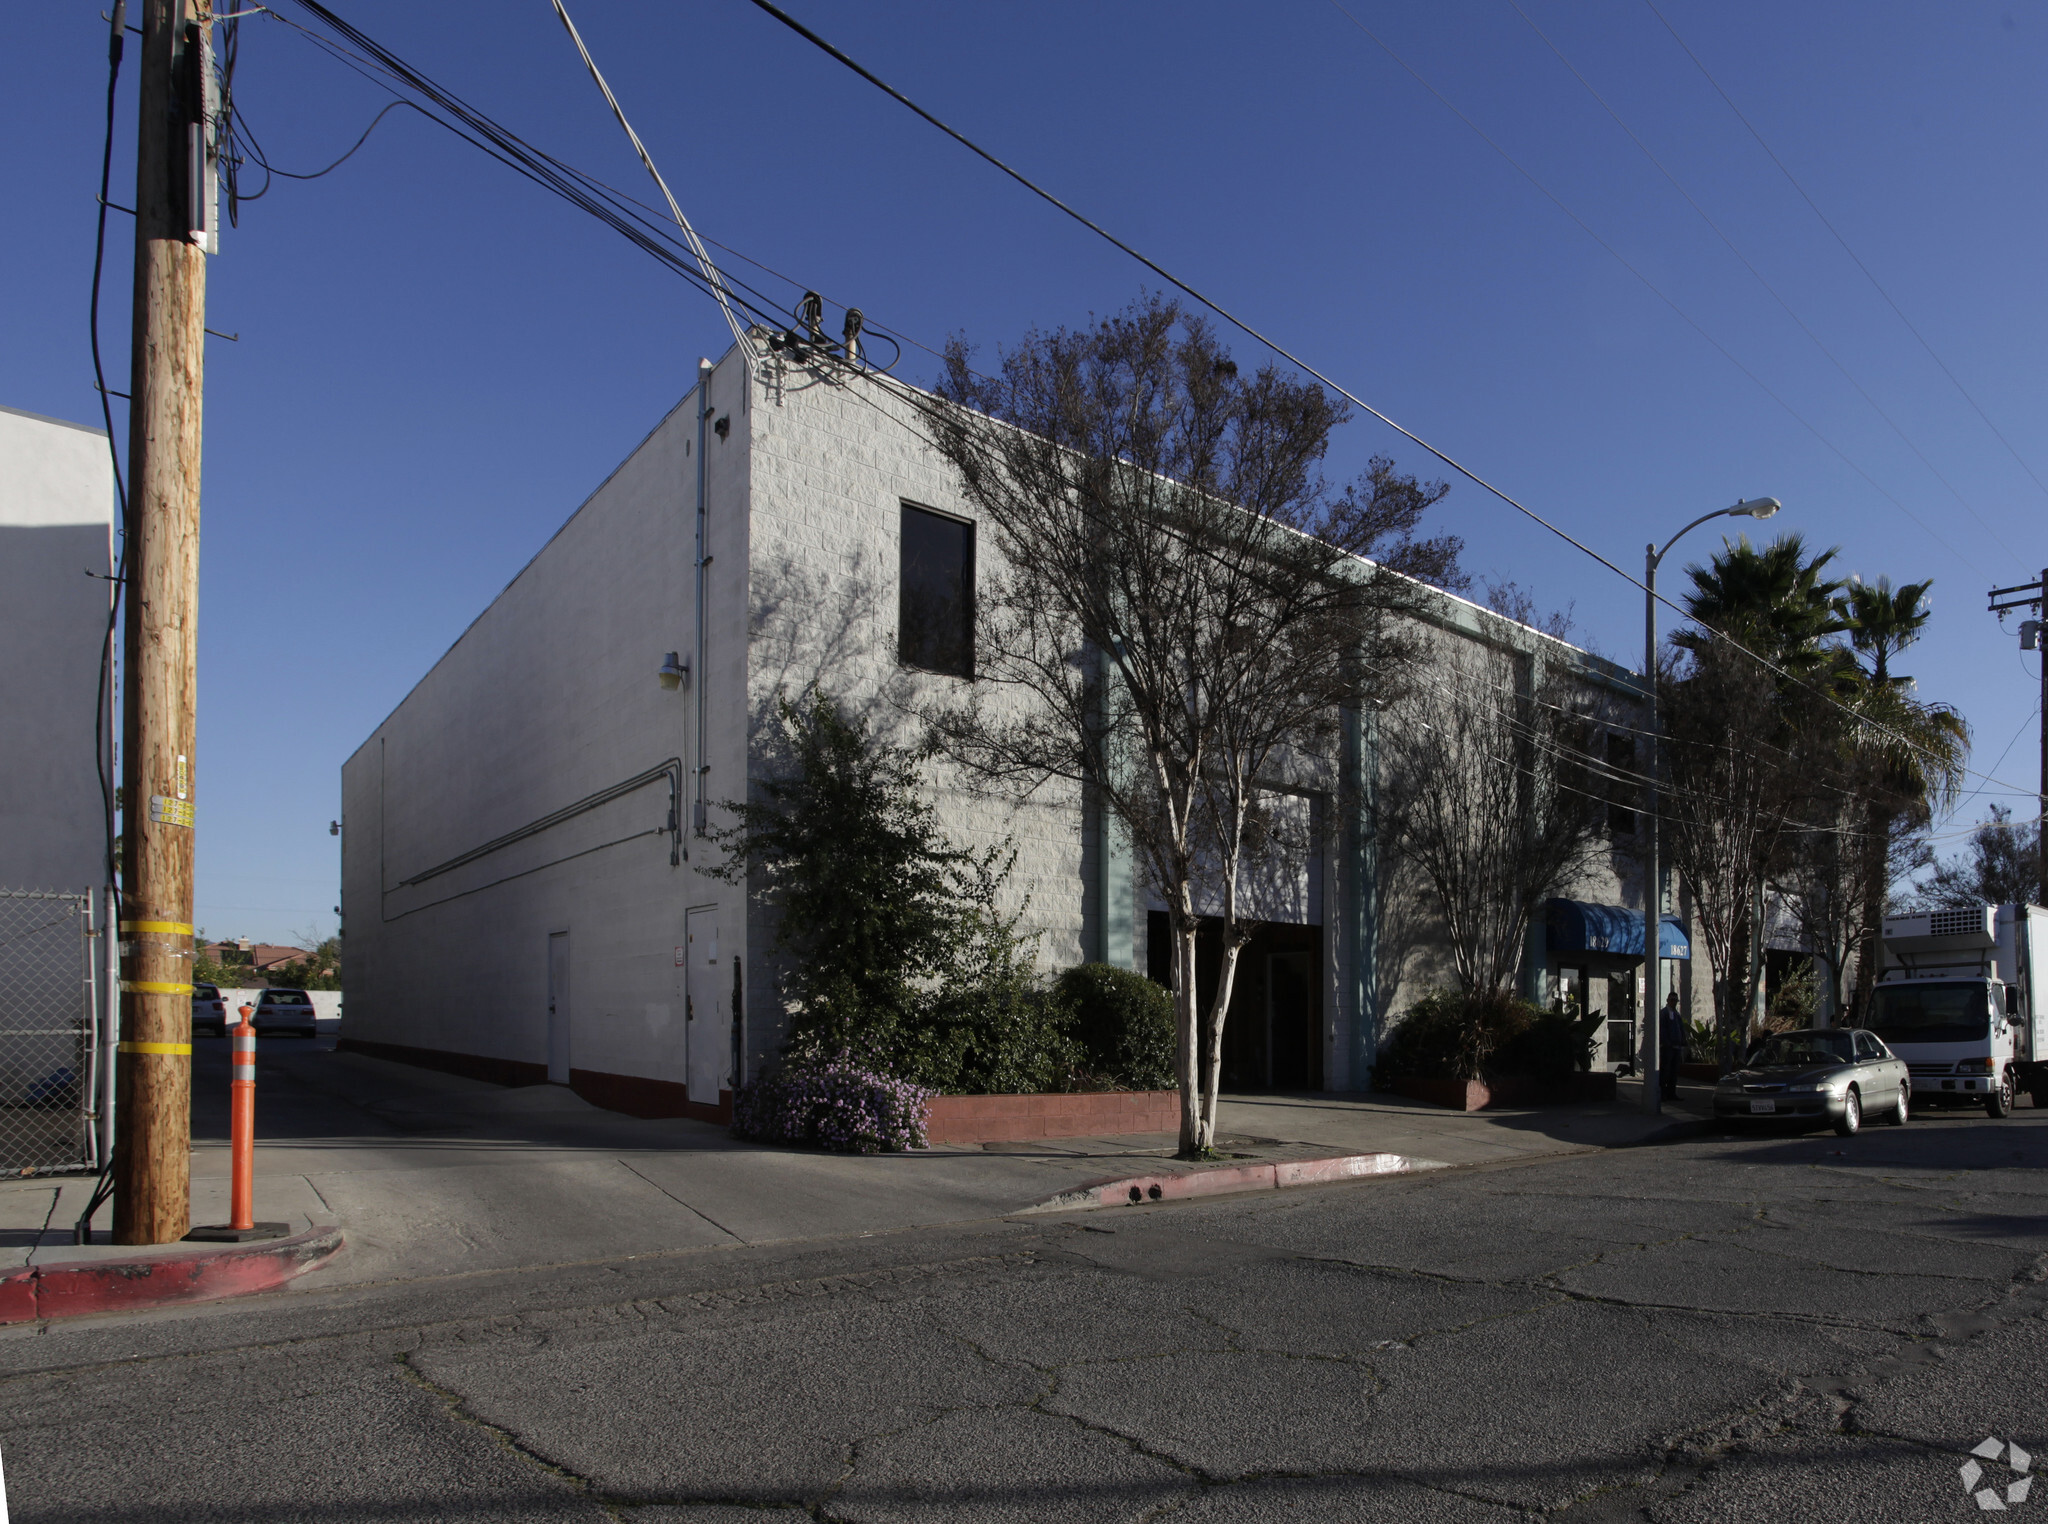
(438, 361)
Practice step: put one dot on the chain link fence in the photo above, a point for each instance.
(49, 1033)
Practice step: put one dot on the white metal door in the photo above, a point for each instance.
(708, 1037)
(558, 1007)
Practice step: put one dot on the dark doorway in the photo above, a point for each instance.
(1272, 1039)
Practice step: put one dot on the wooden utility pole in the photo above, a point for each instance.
(153, 1108)
(2033, 637)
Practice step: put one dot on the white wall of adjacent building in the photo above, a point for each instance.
(56, 525)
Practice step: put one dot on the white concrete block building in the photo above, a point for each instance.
(524, 886)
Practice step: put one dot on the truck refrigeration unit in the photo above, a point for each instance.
(1963, 999)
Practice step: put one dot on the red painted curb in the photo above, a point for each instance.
(83, 1287)
(1135, 1190)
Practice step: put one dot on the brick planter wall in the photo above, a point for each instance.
(1510, 1090)
(1457, 1095)
(1022, 1118)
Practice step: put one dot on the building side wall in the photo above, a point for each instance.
(548, 698)
(833, 466)
(56, 523)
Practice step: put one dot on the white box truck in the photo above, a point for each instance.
(1963, 999)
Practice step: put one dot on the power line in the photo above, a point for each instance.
(1505, 699)
(1773, 291)
(2009, 745)
(372, 59)
(711, 277)
(1463, 470)
(1652, 287)
(1857, 259)
(590, 195)
(103, 696)
(1166, 275)
(655, 233)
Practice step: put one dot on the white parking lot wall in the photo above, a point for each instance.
(548, 698)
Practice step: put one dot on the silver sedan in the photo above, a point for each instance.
(285, 1011)
(1832, 1074)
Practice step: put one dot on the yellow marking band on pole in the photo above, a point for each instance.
(150, 987)
(173, 928)
(168, 1049)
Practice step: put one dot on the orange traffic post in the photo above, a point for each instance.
(242, 1224)
(242, 1125)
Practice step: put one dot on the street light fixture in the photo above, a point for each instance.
(1653, 881)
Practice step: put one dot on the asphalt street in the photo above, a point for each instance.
(1759, 1328)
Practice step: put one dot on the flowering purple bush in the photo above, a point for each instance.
(835, 1103)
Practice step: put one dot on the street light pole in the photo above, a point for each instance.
(1653, 884)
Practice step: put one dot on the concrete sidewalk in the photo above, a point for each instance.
(430, 1174)
(1395, 1124)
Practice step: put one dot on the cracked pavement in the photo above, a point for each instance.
(1725, 1329)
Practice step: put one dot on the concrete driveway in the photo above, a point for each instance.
(430, 1173)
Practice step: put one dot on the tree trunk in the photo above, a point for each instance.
(1187, 1048)
(1878, 878)
(1219, 1011)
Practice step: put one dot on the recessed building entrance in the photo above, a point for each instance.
(1272, 1039)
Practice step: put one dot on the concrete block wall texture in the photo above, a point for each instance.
(56, 523)
(833, 465)
(550, 696)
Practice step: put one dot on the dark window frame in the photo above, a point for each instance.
(1623, 796)
(921, 658)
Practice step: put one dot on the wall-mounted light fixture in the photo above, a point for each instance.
(674, 670)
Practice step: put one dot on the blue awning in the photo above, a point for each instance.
(1575, 926)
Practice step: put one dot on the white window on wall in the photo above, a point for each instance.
(935, 597)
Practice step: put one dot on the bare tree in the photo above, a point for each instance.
(1179, 609)
(1998, 867)
(1729, 799)
(1486, 795)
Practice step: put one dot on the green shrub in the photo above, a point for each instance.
(1124, 1024)
(1450, 1034)
(898, 953)
(1553, 1045)
(1000, 1037)
(1797, 1002)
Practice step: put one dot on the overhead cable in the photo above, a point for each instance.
(1715, 227)
(711, 276)
(1855, 258)
(1655, 290)
(1244, 327)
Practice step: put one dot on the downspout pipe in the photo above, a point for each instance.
(698, 811)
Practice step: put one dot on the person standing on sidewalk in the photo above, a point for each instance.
(1671, 1045)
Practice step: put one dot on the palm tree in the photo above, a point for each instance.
(1740, 784)
(1882, 621)
(1774, 600)
(1911, 753)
